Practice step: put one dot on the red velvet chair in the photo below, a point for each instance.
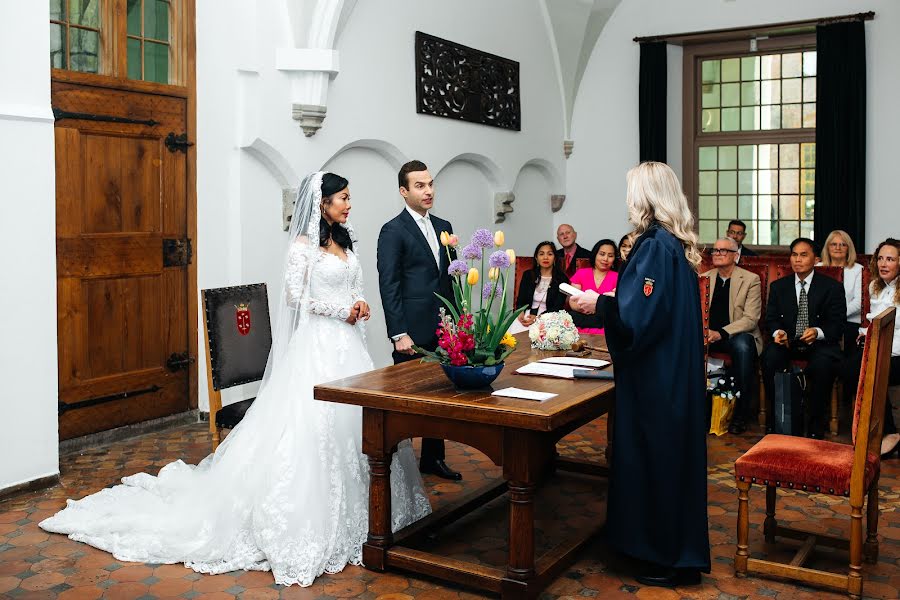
(704, 307)
(823, 467)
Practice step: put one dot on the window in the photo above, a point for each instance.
(75, 35)
(137, 40)
(148, 40)
(750, 152)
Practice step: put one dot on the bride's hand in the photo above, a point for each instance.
(354, 315)
(362, 310)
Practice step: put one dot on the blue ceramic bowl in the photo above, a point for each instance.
(468, 377)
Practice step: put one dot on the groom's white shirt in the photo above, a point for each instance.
(427, 228)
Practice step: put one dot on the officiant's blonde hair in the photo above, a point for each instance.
(654, 194)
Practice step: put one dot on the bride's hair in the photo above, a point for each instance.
(331, 185)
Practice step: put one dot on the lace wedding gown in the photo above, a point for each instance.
(287, 490)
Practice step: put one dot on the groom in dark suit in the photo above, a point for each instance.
(412, 266)
(805, 314)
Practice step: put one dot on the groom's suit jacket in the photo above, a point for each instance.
(408, 278)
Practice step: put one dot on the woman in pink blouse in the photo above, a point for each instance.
(599, 278)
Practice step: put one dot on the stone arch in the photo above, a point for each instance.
(274, 161)
(481, 162)
(386, 150)
(548, 170)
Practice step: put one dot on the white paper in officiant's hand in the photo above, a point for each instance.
(568, 289)
(514, 392)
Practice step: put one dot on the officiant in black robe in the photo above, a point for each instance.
(657, 491)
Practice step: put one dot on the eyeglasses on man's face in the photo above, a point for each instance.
(736, 232)
(722, 250)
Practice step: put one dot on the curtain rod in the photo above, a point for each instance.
(758, 29)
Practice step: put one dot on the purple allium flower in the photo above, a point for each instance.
(499, 259)
(487, 290)
(483, 238)
(472, 252)
(458, 268)
(498, 290)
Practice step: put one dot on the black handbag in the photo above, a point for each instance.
(787, 405)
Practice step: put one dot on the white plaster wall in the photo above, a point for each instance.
(605, 120)
(372, 98)
(28, 366)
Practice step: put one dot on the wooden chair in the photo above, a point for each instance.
(836, 273)
(866, 305)
(238, 337)
(819, 466)
(704, 308)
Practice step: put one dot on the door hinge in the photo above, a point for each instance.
(177, 143)
(178, 361)
(177, 253)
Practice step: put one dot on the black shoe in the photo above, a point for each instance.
(439, 468)
(669, 577)
(737, 427)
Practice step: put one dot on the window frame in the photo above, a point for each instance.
(692, 138)
(113, 71)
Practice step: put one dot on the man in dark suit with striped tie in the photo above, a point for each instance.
(805, 314)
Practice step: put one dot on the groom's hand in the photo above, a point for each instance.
(404, 345)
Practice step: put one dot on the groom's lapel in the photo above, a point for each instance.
(414, 230)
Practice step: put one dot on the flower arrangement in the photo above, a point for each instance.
(553, 331)
(470, 336)
(724, 394)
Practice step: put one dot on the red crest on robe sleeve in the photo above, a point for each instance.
(648, 286)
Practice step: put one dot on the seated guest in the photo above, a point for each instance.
(600, 278)
(571, 251)
(884, 293)
(734, 309)
(624, 249)
(840, 252)
(539, 288)
(806, 314)
(737, 230)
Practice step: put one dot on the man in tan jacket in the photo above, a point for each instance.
(734, 310)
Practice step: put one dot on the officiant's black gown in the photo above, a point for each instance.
(657, 493)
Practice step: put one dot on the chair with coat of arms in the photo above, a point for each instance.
(238, 337)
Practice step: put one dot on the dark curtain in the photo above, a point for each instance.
(841, 131)
(652, 101)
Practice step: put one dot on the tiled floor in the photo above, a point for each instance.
(34, 564)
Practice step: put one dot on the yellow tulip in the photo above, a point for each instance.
(472, 278)
(512, 256)
(445, 238)
(499, 238)
(494, 273)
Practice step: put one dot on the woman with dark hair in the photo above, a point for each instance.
(287, 490)
(599, 277)
(539, 288)
(624, 249)
(884, 293)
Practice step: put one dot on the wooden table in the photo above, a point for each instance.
(416, 400)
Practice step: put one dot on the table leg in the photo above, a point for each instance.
(521, 539)
(380, 536)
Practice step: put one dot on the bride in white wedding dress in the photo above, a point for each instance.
(287, 490)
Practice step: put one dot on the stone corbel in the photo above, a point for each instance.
(288, 200)
(557, 201)
(502, 205)
(568, 146)
(310, 71)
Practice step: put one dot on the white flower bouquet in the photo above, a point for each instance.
(553, 331)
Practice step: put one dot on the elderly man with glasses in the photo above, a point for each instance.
(734, 311)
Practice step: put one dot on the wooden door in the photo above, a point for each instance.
(123, 252)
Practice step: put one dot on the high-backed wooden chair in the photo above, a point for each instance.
(824, 467)
(238, 337)
(836, 273)
(704, 308)
(866, 305)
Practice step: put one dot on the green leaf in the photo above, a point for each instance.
(449, 306)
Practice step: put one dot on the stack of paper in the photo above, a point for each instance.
(547, 370)
(574, 361)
